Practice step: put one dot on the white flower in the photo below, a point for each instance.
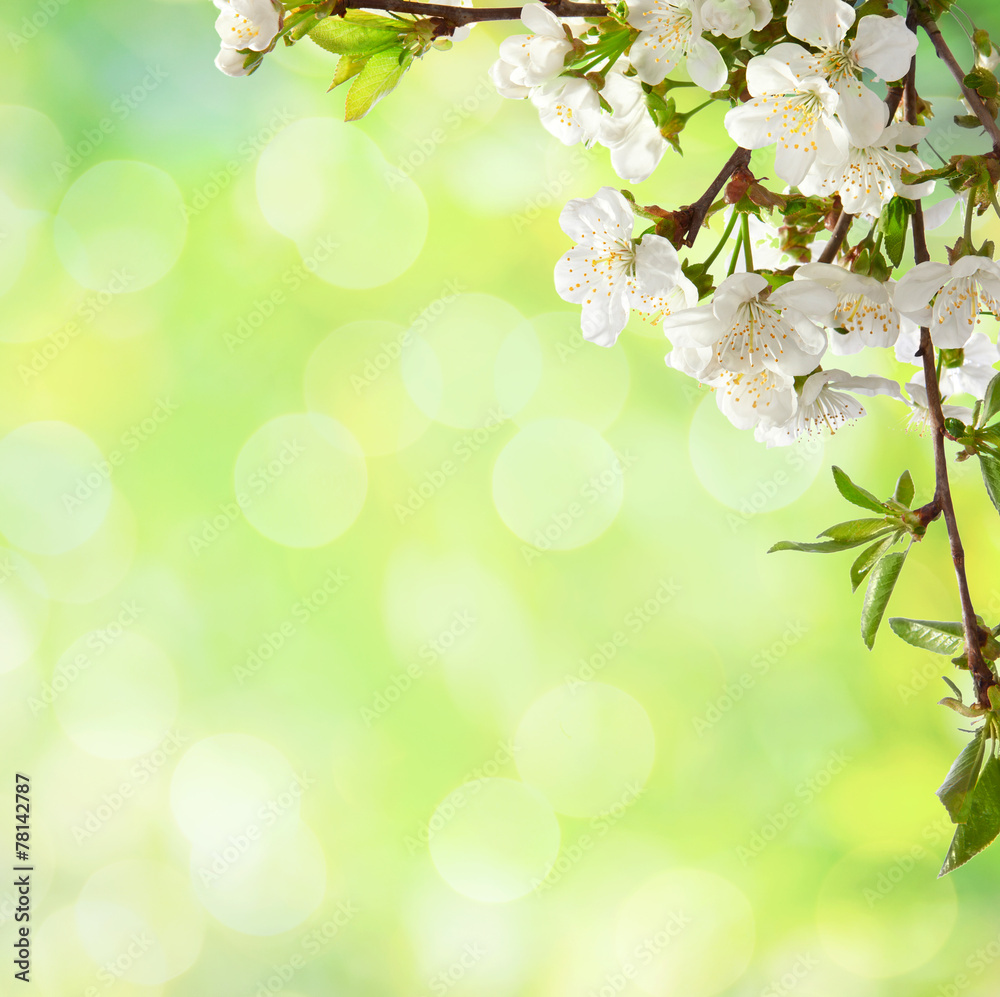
(936, 215)
(530, 60)
(868, 176)
(882, 44)
(735, 18)
(230, 61)
(823, 403)
(569, 109)
(960, 291)
(920, 413)
(973, 375)
(630, 132)
(671, 30)
(765, 397)
(608, 274)
(796, 113)
(864, 307)
(750, 327)
(246, 24)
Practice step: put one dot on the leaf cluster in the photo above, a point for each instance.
(878, 562)
(375, 52)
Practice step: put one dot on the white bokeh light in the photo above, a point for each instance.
(301, 480)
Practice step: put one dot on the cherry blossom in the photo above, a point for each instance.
(609, 274)
(864, 309)
(735, 18)
(750, 326)
(959, 292)
(883, 45)
(867, 177)
(528, 61)
(671, 32)
(798, 114)
(629, 132)
(823, 402)
(246, 24)
(569, 109)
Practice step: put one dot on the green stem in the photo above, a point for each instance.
(968, 221)
(725, 238)
(735, 256)
(695, 110)
(993, 200)
(745, 224)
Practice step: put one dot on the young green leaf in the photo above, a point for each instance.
(881, 582)
(991, 401)
(356, 35)
(855, 494)
(895, 219)
(858, 529)
(982, 824)
(904, 489)
(348, 66)
(819, 546)
(381, 74)
(956, 790)
(990, 467)
(930, 635)
(868, 558)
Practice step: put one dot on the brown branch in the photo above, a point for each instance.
(696, 212)
(840, 231)
(942, 504)
(982, 676)
(974, 100)
(468, 15)
(892, 99)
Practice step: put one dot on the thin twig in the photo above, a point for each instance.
(469, 15)
(697, 211)
(840, 231)
(973, 98)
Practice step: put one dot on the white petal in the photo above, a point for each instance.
(822, 23)
(916, 287)
(541, 21)
(885, 46)
(705, 66)
(231, 62)
(862, 111)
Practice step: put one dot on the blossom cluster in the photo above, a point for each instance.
(759, 336)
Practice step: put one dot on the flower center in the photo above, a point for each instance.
(838, 65)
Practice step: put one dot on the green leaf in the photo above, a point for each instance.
(356, 35)
(938, 173)
(868, 557)
(857, 529)
(982, 824)
(853, 493)
(818, 547)
(930, 635)
(983, 82)
(881, 582)
(895, 220)
(990, 467)
(904, 489)
(991, 401)
(956, 790)
(381, 74)
(348, 66)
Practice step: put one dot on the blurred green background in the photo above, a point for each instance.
(364, 630)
